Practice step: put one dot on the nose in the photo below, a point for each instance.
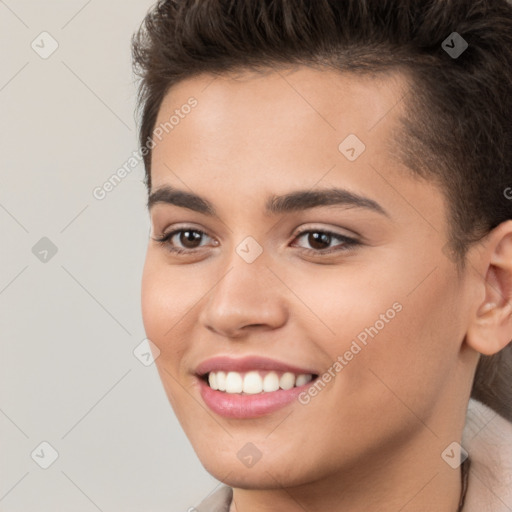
(248, 297)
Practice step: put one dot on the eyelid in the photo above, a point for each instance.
(173, 228)
(332, 231)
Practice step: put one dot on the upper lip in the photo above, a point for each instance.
(242, 364)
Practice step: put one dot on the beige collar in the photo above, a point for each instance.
(487, 437)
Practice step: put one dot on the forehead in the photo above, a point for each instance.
(294, 97)
(302, 112)
(320, 88)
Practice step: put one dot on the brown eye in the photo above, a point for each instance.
(184, 240)
(189, 238)
(320, 241)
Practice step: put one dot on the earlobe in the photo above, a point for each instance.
(491, 326)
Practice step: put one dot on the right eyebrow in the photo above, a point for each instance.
(171, 195)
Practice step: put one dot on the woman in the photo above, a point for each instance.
(329, 275)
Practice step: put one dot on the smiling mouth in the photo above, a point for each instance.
(255, 381)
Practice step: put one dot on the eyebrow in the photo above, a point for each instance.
(293, 201)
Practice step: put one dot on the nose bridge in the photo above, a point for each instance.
(244, 295)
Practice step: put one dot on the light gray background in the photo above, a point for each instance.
(69, 325)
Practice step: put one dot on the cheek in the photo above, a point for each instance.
(412, 357)
(344, 305)
(153, 304)
(164, 307)
(164, 302)
(393, 342)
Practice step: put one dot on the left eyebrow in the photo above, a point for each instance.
(293, 201)
(304, 199)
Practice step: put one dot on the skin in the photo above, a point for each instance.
(373, 438)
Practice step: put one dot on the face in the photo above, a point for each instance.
(275, 278)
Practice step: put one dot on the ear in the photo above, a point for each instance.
(490, 327)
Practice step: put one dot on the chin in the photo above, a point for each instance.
(226, 467)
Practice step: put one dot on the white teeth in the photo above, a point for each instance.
(212, 380)
(271, 382)
(221, 381)
(301, 380)
(255, 382)
(233, 382)
(287, 381)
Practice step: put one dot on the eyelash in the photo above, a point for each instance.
(348, 243)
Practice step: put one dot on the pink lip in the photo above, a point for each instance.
(244, 364)
(247, 406)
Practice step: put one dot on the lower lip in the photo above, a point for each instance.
(248, 406)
